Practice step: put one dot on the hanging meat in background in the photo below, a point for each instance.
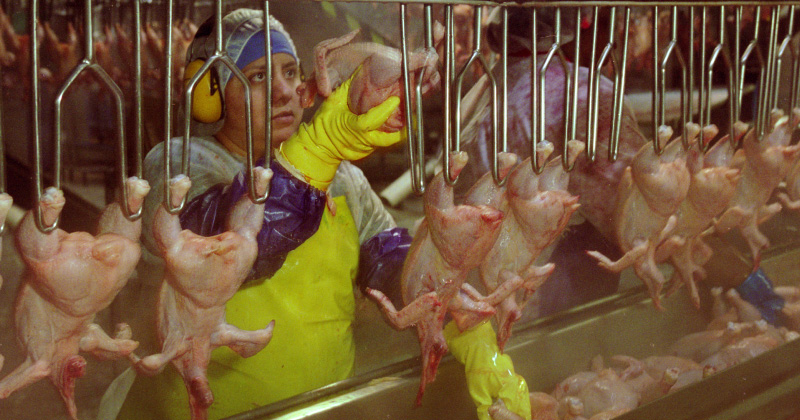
(791, 198)
(651, 191)
(594, 182)
(449, 242)
(69, 278)
(767, 163)
(537, 208)
(201, 275)
(379, 73)
(711, 188)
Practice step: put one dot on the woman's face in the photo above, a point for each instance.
(286, 110)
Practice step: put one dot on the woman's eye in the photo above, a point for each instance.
(258, 77)
(290, 74)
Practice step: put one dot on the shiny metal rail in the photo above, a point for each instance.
(581, 3)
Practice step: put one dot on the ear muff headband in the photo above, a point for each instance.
(206, 101)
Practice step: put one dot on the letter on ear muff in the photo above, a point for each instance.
(206, 102)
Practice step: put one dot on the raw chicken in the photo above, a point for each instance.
(379, 74)
(742, 350)
(201, 275)
(572, 385)
(607, 393)
(767, 163)
(70, 277)
(543, 407)
(711, 188)
(651, 191)
(537, 209)
(450, 241)
(701, 345)
(791, 198)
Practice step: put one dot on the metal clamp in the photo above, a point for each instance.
(475, 57)
(416, 141)
(555, 48)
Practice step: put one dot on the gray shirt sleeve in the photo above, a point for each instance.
(369, 214)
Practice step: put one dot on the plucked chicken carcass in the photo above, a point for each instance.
(379, 73)
(201, 275)
(767, 163)
(711, 188)
(70, 277)
(651, 191)
(450, 241)
(596, 183)
(537, 208)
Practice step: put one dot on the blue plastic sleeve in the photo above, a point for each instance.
(381, 263)
(757, 289)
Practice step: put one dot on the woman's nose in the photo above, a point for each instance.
(281, 91)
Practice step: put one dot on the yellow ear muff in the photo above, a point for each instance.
(206, 102)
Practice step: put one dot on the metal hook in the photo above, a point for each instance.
(619, 91)
(719, 51)
(535, 139)
(752, 47)
(768, 88)
(673, 50)
(619, 86)
(656, 68)
(221, 56)
(573, 117)
(419, 153)
(416, 151)
(267, 112)
(591, 139)
(33, 23)
(447, 83)
(89, 63)
(785, 46)
(502, 144)
(555, 48)
(476, 57)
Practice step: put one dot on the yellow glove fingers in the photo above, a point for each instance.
(490, 374)
(375, 117)
(379, 138)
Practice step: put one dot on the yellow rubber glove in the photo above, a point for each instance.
(336, 134)
(490, 374)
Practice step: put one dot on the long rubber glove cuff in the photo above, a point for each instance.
(490, 374)
(336, 134)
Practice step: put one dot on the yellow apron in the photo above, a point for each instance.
(311, 300)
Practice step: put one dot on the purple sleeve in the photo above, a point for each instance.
(381, 263)
(292, 214)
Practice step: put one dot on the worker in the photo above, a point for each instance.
(310, 251)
